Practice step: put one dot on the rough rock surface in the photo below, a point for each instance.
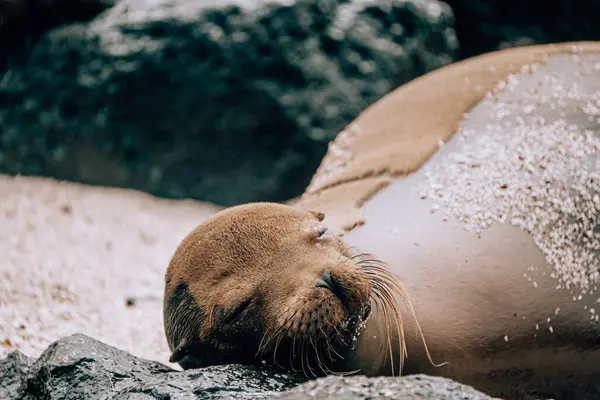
(483, 26)
(79, 367)
(226, 102)
(13, 369)
(414, 387)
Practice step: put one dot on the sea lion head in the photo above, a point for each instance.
(266, 283)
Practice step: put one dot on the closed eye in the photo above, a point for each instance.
(233, 313)
(321, 231)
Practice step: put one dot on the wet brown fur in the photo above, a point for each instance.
(240, 288)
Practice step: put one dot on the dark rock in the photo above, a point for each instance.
(484, 26)
(23, 21)
(12, 370)
(229, 104)
(414, 387)
(78, 367)
(81, 368)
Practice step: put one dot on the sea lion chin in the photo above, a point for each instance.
(265, 283)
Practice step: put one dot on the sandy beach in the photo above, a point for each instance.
(77, 258)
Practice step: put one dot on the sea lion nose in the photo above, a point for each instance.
(328, 282)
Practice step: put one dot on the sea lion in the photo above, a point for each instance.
(476, 190)
(264, 283)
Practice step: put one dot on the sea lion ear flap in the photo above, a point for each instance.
(181, 351)
(319, 215)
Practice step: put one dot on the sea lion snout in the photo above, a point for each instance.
(328, 282)
(348, 286)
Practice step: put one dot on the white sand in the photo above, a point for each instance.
(535, 166)
(72, 255)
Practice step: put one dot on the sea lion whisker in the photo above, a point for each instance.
(340, 336)
(278, 338)
(331, 347)
(346, 373)
(388, 338)
(280, 328)
(373, 260)
(386, 279)
(282, 332)
(293, 352)
(408, 301)
(399, 329)
(328, 347)
(318, 356)
(376, 276)
(382, 268)
(343, 252)
(342, 373)
(381, 274)
(302, 357)
(308, 359)
(360, 255)
(347, 249)
(383, 292)
(386, 290)
(275, 348)
(263, 345)
(382, 287)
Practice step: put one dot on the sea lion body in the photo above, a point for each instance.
(486, 305)
(491, 301)
(485, 208)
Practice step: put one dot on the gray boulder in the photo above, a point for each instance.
(12, 371)
(79, 367)
(414, 387)
(221, 101)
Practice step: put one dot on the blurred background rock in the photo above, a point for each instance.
(227, 101)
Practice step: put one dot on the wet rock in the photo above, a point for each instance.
(226, 102)
(79, 367)
(484, 26)
(414, 387)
